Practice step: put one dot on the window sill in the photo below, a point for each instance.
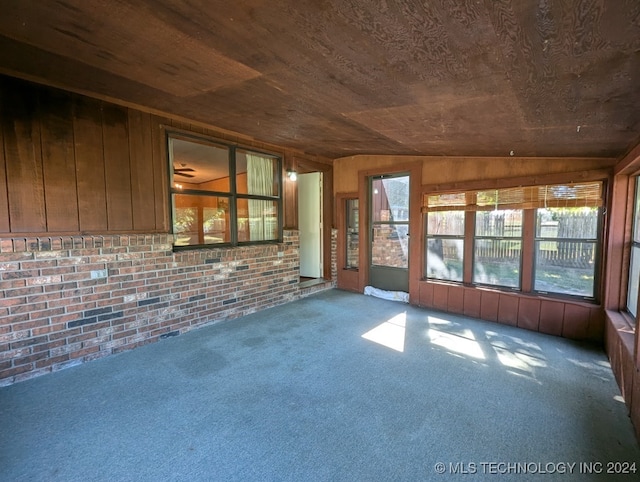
(621, 321)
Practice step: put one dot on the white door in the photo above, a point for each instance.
(310, 224)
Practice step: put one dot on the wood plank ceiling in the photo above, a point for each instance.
(443, 77)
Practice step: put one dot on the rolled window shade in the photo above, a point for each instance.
(588, 194)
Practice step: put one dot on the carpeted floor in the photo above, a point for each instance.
(336, 386)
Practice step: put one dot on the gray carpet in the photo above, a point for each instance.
(298, 393)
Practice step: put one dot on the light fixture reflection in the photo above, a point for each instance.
(292, 175)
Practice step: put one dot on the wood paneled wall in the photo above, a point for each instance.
(71, 164)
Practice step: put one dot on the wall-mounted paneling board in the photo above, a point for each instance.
(92, 195)
(23, 160)
(4, 202)
(72, 164)
(58, 160)
(567, 318)
(142, 186)
(117, 168)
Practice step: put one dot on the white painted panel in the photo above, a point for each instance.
(310, 224)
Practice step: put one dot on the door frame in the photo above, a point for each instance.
(416, 253)
(388, 277)
(347, 278)
(304, 166)
(307, 215)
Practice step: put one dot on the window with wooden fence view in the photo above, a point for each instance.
(566, 241)
(497, 250)
(563, 229)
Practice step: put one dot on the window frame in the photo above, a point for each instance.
(232, 195)
(597, 242)
(448, 237)
(351, 210)
(468, 201)
(633, 244)
(520, 239)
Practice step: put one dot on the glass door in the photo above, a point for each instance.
(389, 242)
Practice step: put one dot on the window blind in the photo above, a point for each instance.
(588, 194)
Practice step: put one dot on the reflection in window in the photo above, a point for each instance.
(445, 245)
(211, 207)
(200, 220)
(390, 221)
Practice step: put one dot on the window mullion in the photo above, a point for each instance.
(233, 198)
(469, 233)
(528, 249)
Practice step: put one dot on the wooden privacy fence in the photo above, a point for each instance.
(568, 241)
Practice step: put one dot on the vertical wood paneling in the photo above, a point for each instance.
(529, 314)
(576, 322)
(472, 301)
(551, 317)
(4, 200)
(92, 199)
(142, 183)
(455, 303)
(426, 294)
(596, 324)
(25, 184)
(508, 310)
(160, 174)
(58, 161)
(117, 168)
(489, 306)
(440, 296)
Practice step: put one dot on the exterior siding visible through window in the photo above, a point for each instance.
(222, 194)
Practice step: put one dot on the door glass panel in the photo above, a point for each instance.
(390, 222)
(390, 199)
(353, 234)
(389, 246)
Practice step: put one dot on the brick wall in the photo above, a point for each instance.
(66, 300)
(334, 256)
(387, 250)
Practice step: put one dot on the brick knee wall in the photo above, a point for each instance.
(67, 300)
